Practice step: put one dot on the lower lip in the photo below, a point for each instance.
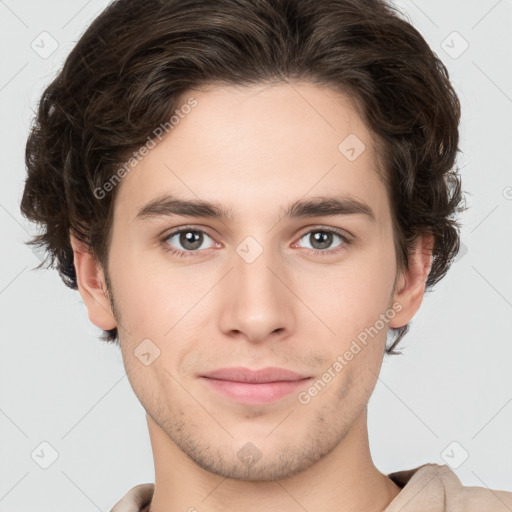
(248, 393)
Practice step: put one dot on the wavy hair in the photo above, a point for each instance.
(131, 66)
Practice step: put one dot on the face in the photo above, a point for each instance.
(257, 288)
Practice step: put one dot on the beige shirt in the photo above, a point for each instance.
(427, 488)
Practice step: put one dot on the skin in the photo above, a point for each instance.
(256, 149)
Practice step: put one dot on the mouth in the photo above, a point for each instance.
(255, 387)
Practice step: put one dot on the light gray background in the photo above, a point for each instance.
(59, 384)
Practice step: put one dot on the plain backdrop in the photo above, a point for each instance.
(447, 399)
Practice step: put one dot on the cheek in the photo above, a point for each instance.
(351, 296)
(151, 294)
(168, 306)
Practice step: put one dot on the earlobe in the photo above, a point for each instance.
(92, 285)
(411, 284)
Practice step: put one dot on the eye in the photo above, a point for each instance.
(321, 239)
(190, 239)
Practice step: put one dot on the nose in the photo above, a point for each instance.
(257, 302)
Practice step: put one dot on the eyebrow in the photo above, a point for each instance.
(168, 205)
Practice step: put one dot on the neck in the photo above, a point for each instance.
(345, 480)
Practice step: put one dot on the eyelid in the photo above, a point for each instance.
(319, 227)
(307, 230)
(186, 227)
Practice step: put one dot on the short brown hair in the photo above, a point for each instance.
(126, 73)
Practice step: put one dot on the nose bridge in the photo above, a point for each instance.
(257, 301)
(255, 271)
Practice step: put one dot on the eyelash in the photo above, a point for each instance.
(317, 252)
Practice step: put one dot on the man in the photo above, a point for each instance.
(248, 195)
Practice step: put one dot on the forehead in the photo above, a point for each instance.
(259, 147)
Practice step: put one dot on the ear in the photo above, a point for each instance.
(91, 285)
(410, 285)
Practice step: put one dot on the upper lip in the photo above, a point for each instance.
(269, 374)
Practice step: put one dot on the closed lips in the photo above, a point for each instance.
(264, 375)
